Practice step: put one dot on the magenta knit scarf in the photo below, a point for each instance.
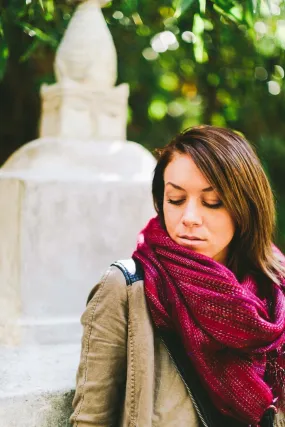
(225, 327)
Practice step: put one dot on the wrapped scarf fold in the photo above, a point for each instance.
(227, 330)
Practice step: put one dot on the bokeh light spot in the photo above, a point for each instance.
(149, 54)
(260, 27)
(188, 37)
(143, 30)
(273, 87)
(169, 81)
(213, 79)
(279, 72)
(275, 9)
(157, 109)
(218, 120)
(163, 41)
(260, 73)
(189, 90)
(118, 14)
(175, 109)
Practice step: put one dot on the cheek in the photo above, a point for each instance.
(224, 227)
(171, 216)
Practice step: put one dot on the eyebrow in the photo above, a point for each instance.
(177, 187)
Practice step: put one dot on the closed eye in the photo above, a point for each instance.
(213, 205)
(208, 205)
(176, 202)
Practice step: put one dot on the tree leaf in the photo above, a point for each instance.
(4, 55)
(41, 35)
(181, 6)
(249, 12)
(34, 45)
(269, 6)
(198, 24)
(225, 5)
(200, 53)
(254, 5)
(130, 6)
(4, 51)
(202, 6)
(228, 14)
(49, 10)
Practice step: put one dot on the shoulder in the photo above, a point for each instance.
(131, 269)
(117, 278)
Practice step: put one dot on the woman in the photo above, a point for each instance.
(191, 331)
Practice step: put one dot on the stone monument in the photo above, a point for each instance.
(71, 202)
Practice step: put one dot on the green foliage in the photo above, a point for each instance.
(181, 6)
(4, 51)
(41, 22)
(45, 20)
(220, 62)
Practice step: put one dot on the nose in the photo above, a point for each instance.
(192, 215)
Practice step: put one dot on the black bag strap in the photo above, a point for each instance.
(131, 269)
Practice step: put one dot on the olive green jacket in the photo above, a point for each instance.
(126, 377)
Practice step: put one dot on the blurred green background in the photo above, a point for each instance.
(187, 62)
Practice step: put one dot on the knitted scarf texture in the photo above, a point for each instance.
(234, 338)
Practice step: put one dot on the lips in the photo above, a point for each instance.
(192, 238)
(193, 242)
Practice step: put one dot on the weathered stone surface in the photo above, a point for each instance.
(36, 385)
(74, 159)
(38, 410)
(84, 102)
(60, 229)
(87, 53)
(71, 203)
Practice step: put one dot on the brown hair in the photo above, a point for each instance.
(231, 166)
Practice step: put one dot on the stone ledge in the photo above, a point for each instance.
(37, 410)
(36, 385)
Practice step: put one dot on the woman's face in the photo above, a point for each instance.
(193, 212)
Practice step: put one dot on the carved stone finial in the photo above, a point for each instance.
(84, 104)
(101, 2)
(87, 53)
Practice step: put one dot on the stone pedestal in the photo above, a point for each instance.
(68, 210)
(71, 203)
(71, 110)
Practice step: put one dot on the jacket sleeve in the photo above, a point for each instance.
(280, 417)
(101, 376)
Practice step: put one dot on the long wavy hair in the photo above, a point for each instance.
(232, 167)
